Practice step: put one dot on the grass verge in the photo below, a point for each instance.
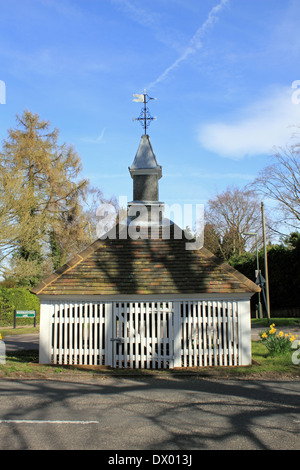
(279, 322)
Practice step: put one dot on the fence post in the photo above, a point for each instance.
(244, 340)
(45, 333)
(108, 333)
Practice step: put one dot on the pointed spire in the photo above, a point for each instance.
(145, 172)
(145, 158)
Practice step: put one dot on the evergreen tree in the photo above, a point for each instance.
(43, 193)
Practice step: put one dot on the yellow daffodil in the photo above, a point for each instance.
(264, 335)
(280, 334)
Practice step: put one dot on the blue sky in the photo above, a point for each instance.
(222, 73)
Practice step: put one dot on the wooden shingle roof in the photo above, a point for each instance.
(144, 266)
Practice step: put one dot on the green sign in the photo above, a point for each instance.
(25, 313)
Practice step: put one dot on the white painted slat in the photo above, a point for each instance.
(97, 320)
(209, 339)
(131, 335)
(220, 337)
(122, 335)
(214, 335)
(100, 339)
(166, 335)
(137, 335)
(147, 335)
(125, 336)
(153, 334)
(71, 338)
(66, 331)
(159, 336)
(230, 333)
(195, 334)
(75, 334)
(183, 335)
(200, 338)
(225, 320)
(204, 334)
(142, 335)
(60, 342)
(81, 323)
(116, 334)
(189, 333)
(86, 331)
(91, 333)
(163, 334)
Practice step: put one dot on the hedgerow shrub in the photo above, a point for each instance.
(17, 298)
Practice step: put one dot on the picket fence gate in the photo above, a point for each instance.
(158, 334)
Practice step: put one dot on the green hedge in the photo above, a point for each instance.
(284, 273)
(17, 299)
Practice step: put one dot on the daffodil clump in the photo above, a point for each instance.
(277, 343)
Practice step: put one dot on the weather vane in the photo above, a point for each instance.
(145, 117)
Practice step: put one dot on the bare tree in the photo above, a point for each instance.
(229, 216)
(280, 182)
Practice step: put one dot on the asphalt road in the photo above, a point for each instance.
(149, 414)
(21, 342)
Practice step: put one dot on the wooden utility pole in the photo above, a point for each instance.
(266, 260)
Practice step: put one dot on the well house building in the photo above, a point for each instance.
(145, 301)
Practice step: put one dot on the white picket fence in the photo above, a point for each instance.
(158, 334)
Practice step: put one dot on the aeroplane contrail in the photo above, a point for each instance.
(195, 43)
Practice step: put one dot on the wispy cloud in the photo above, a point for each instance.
(195, 44)
(154, 21)
(139, 15)
(96, 140)
(267, 123)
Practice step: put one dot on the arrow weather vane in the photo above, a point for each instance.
(145, 117)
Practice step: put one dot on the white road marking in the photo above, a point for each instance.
(40, 421)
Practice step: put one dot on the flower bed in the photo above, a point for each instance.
(277, 343)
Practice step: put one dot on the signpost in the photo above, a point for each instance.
(25, 314)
